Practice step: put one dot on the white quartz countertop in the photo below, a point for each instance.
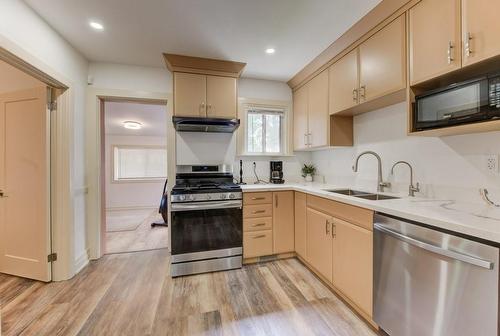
(477, 220)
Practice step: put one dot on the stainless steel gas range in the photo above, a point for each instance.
(207, 220)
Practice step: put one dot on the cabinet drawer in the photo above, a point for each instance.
(258, 198)
(257, 211)
(254, 224)
(257, 243)
(353, 214)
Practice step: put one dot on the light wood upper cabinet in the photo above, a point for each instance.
(190, 94)
(300, 122)
(319, 242)
(353, 263)
(480, 30)
(283, 222)
(318, 110)
(198, 95)
(221, 97)
(343, 83)
(435, 43)
(300, 224)
(383, 61)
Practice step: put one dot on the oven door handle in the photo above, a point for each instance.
(175, 207)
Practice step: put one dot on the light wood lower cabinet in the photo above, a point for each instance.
(319, 244)
(300, 224)
(257, 243)
(353, 263)
(283, 222)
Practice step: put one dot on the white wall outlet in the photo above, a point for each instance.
(492, 163)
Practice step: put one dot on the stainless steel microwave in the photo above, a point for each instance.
(461, 103)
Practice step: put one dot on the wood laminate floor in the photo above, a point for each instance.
(132, 294)
(142, 238)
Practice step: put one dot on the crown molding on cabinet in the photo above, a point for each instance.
(206, 66)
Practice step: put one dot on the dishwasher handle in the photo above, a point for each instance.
(436, 249)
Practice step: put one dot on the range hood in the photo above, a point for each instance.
(197, 124)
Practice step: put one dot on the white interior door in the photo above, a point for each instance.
(24, 184)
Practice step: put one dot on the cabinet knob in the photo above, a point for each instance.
(450, 52)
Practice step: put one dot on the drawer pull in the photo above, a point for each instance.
(259, 236)
(259, 224)
(258, 198)
(258, 211)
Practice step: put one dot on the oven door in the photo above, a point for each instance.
(206, 229)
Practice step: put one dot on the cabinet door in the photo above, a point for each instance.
(189, 95)
(435, 43)
(318, 110)
(283, 222)
(300, 224)
(382, 61)
(343, 78)
(352, 263)
(480, 29)
(319, 242)
(300, 126)
(221, 97)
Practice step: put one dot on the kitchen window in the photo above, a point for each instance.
(264, 130)
(137, 163)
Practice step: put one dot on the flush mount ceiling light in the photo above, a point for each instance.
(134, 125)
(270, 51)
(96, 25)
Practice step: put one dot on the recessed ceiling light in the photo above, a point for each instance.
(134, 125)
(96, 25)
(270, 51)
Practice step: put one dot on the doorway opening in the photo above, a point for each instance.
(134, 171)
(25, 174)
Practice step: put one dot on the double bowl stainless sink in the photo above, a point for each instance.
(362, 194)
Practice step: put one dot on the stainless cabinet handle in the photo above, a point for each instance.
(362, 92)
(258, 198)
(334, 230)
(209, 109)
(305, 139)
(450, 52)
(258, 211)
(355, 95)
(202, 108)
(276, 201)
(436, 249)
(2, 194)
(327, 227)
(259, 224)
(259, 236)
(468, 49)
(309, 136)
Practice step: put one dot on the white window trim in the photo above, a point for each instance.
(133, 180)
(244, 104)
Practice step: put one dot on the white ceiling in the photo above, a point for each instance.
(137, 31)
(152, 117)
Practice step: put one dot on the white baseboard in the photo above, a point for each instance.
(151, 207)
(82, 261)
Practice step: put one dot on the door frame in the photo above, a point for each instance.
(61, 152)
(94, 152)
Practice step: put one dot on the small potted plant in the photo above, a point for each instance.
(308, 172)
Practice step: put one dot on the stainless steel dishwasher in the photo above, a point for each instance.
(427, 282)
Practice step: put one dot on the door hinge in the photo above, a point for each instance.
(52, 106)
(52, 257)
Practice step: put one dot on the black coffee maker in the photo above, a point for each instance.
(277, 172)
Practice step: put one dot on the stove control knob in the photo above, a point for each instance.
(231, 196)
(182, 197)
(209, 197)
(223, 196)
(191, 198)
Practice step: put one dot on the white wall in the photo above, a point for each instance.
(448, 167)
(131, 194)
(130, 77)
(21, 26)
